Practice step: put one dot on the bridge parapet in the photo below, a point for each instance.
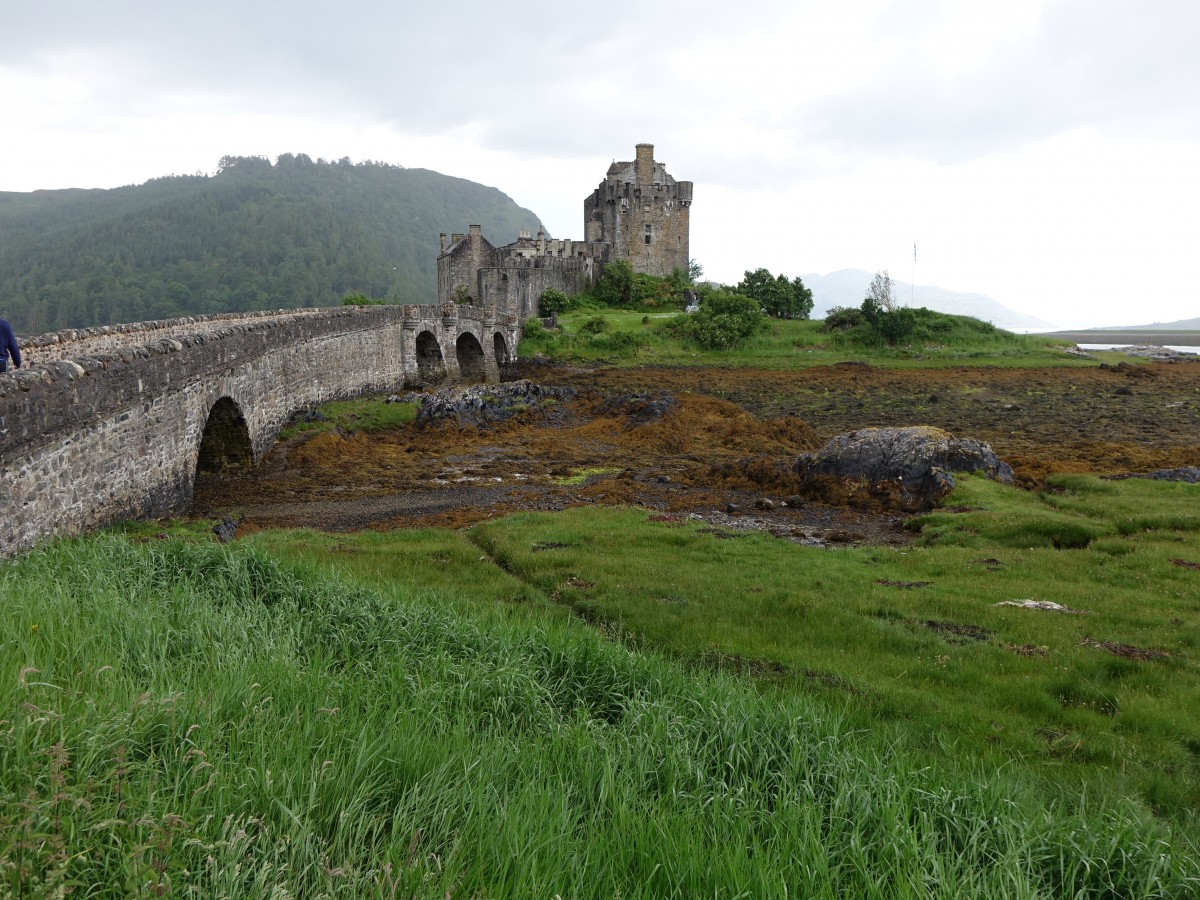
(72, 342)
(46, 398)
(109, 423)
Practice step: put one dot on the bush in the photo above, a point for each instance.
(842, 318)
(595, 325)
(896, 325)
(622, 288)
(553, 302)
(537, 338)
(723, 320)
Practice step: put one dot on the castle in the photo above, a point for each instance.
(638, 213)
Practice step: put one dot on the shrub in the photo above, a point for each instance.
(537, 338)
(842, 318)
(553, 302)
(595, 325)
(723, 320)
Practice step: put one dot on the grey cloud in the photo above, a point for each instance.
(1109, 64)
(513, 73)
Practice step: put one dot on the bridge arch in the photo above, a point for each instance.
(469, 353)
(190, 398)
(431, 366)
(225, 444)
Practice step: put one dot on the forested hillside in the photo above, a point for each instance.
(256, 235)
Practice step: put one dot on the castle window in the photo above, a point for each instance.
(647, 234)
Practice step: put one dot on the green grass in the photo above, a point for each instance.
(369, 414)
(852, 626)
(843, 623)
(790, 345)
(180, 718)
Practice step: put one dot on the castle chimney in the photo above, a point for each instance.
(443, 242)
(645, 163)
(476, 232)
(541, 242)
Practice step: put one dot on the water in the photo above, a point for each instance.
(1177, 347)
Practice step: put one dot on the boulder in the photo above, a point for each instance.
(487, 404)
(1187, 474)
(641, 409)
(909, 468)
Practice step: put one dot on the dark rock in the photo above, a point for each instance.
(795, 501)
(764, 503)
(226, 529)
(307, 415)
(896, 467)
(1124, 391)
(663, 479)
(1188, 474)
(733, 509)
(640, 408)
(486, 404)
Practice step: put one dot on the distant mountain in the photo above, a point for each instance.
(1179, 325)
(847, 287)
(254, 236)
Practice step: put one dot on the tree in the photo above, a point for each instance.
(780, 297)
(723, 320)
(616, 286)
(882, 291)
(695, 271)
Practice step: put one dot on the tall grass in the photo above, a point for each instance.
(186, 720)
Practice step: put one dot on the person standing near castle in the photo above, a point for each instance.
(8, 347)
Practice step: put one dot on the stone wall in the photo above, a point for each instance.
(516, 287)
(71, 343)
(116, 434)
(457, 267)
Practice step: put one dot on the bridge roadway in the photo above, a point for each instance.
(115, 423)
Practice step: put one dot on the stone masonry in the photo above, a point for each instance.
(638, 213)
(104, 424)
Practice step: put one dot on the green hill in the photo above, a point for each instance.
(254, 236)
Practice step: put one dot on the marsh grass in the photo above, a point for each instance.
(915, 636)
(180, 718)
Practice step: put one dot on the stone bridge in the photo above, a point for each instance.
(114, 423)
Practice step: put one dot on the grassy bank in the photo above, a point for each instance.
(629, 338)
(180, 718)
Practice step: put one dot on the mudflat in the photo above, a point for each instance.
(720, 447)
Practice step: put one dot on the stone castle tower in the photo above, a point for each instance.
(638, 213)
(641, 214)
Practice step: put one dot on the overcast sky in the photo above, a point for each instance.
(1044, 152)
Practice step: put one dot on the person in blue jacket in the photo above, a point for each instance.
(8, 347)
